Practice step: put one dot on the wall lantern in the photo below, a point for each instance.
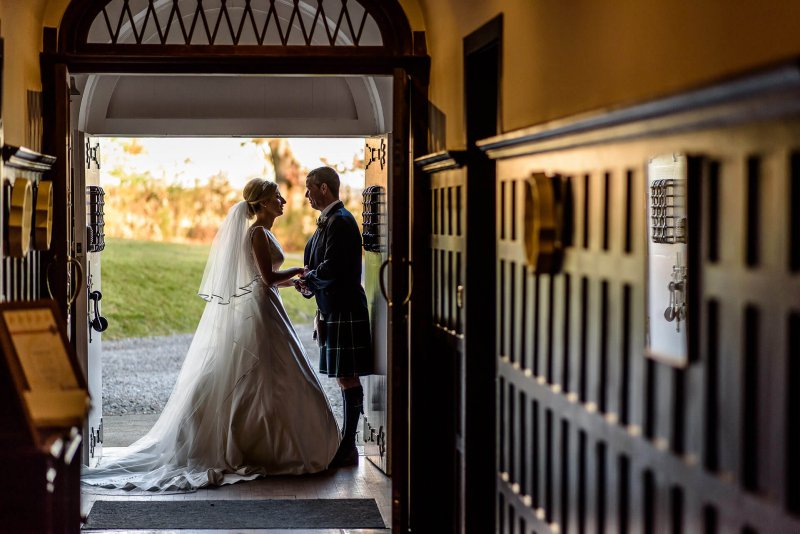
(374, 217)
(95, 226)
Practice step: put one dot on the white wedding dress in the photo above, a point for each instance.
(246, 402)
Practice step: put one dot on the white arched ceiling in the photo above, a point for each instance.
(253, 106)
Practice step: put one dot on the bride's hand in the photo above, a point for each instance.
(301, 287)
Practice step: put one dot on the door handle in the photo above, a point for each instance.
(384, 265)
(385, 294)
(76, 287)
(79, 279)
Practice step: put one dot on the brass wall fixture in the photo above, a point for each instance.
(19, 218)
(43, 216)
(544, 222)
(22, 193)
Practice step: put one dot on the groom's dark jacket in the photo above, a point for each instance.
(333, 256)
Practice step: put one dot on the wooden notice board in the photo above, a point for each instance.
(49, 383)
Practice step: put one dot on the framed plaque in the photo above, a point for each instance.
(45, 371)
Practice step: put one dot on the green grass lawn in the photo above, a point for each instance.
(150, 288)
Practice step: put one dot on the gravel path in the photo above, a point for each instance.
(138, 373)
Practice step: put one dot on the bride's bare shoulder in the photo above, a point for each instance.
(255, 231)
(266, 232)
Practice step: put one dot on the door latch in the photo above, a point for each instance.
(99, 323)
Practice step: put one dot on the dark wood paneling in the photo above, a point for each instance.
(437, 384)
(615, 441)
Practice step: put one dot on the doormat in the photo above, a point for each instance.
(267, 513)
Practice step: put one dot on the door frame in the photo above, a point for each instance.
(484, 45)
(407, 62)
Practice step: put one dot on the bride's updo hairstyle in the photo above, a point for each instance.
(255, 191)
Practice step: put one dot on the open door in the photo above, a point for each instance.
(375, 236)
(59, 270)
(87, 198)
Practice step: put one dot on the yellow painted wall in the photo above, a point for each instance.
(30, 16)
(54, 12)
(22, 37)
(562, 57)
(413, 14)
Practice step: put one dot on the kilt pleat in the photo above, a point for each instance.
(347, 347)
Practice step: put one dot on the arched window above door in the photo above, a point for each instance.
(262, 26)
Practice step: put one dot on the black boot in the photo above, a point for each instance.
(353, 407)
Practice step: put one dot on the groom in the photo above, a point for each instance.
(333, 262)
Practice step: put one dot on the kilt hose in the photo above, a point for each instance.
(345, 344)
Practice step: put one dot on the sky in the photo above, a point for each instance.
(182, 160)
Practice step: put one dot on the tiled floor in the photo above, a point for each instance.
(364, 481)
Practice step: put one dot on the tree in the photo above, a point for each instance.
(297, 222)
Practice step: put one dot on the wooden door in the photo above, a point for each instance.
(448, 266)
(86, 175)
(2, 175)
(438, 367)
(376, 257)
(399, 291)
(58, 277)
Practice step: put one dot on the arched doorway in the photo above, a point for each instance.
(275, 37)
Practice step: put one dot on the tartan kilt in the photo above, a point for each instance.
(346, 345)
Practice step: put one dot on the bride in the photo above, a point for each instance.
(246, 403)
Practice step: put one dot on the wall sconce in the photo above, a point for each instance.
(545, 208)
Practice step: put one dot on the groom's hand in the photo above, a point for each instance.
(301, 287)
(300, 284)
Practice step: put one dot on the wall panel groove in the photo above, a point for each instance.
(610, 440)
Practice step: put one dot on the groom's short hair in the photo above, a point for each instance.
(328, 176)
